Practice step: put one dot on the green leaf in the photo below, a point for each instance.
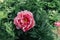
(9, 28)
(3, 15)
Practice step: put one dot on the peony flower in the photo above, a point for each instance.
(58, 27)
(57, 23)
(24, 20)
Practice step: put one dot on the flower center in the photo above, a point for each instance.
(25, 20)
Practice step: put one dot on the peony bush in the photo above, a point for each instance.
(29, 19)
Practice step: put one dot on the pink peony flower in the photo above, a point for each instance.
(57, 23)
(24, 20)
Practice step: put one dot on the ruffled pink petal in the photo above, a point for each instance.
(57, 24)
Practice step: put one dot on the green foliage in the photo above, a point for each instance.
(2, 15)
(45, 12)
(9, 28)
(53, 14)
